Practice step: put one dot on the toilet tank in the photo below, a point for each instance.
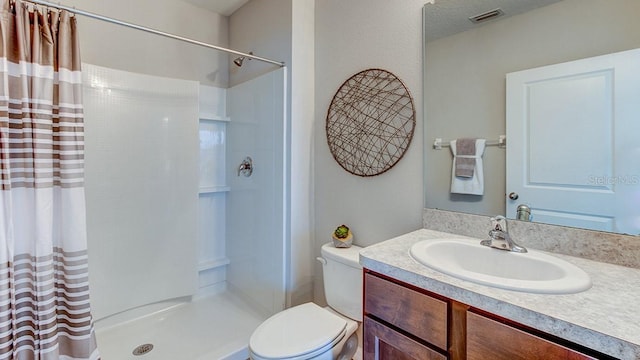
(343, 280)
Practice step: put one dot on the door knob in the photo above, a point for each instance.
(513, 196)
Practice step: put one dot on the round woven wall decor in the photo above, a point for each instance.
(370, 122)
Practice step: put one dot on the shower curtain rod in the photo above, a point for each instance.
(153, 31)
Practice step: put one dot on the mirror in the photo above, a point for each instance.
(465, 67)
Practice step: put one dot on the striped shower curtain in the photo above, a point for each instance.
(44, 292)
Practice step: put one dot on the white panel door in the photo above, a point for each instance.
(573, 151)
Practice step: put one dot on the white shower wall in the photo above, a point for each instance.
(141, 145)
(167, 214)
(256, 206)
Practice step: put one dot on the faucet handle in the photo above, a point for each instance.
(499, 223)
(500, 238)
(246, 167)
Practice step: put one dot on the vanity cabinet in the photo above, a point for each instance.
(404, 322)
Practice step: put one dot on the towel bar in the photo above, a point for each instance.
(438, 144)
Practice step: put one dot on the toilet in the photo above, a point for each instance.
(308, 331)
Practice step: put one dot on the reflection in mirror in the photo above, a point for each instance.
(465, 81)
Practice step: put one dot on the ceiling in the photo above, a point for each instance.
(442, 17)
(223, 7)
(447, 17)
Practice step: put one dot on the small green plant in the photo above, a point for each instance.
(341, 232)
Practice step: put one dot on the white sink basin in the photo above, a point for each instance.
(533, 272)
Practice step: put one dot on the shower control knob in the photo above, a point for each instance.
(246, 167)
(513, 196)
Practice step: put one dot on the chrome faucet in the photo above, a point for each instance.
(500, 238)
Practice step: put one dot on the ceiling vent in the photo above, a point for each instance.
(486, 16)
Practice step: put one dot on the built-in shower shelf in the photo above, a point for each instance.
(213, 189)
(213, 117)
(213, 264)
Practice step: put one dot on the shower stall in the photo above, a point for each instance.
(187, 251)
(186, 206)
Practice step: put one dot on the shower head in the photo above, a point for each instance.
(240, 60)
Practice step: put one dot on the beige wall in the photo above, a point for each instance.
(302, 111)
(352, 36)
(465, 82)
(264, 28)
(122, 48)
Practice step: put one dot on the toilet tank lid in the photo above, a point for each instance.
(349, 256)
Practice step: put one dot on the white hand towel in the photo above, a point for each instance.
(469, 185)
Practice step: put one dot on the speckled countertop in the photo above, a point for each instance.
(605, 318)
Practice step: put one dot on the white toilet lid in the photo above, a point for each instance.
(296, 331)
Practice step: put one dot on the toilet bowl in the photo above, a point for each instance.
(308, 331)
(303, 332)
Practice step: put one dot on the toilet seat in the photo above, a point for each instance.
(300, 332)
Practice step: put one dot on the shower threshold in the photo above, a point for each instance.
(216, 326)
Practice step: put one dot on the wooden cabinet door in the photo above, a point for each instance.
(384, 343)
(490, 339)
(418, 314)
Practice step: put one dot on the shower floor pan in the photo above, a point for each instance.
(214, 327)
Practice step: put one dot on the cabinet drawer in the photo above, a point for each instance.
(411, 311)
(490, 339)
(383, 343)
